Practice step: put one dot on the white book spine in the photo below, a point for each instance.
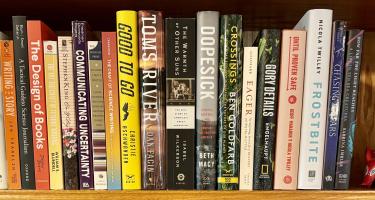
(318, 24)
(249, 86)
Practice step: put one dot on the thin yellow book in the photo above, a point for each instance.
(127, 47)
(51, 71)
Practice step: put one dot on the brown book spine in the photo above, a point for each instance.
(10, 114)
(152, 76)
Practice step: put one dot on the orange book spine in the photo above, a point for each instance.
(111, 104)
(37, 32)
(10, 114)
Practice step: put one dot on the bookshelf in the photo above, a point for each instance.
(257, 14)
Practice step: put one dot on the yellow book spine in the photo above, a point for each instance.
(127, 47)
(51, 72)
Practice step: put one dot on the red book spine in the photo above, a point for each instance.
(37, 32)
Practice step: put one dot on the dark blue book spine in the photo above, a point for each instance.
(334, 103)
(25, 134)
(349, 109)
(82, 104)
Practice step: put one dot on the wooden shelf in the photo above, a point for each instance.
(187, 195)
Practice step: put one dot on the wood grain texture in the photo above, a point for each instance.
(186, 195)
(365, 133)
(257, 14)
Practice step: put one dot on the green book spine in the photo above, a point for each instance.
(230, 90)
(268, 44)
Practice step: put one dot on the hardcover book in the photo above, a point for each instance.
(249, 88)
(230, 96)
(37, 32)
(68, 113)
(318, 24)
(349, 108)
(97, 114)
(292, 68)
(268, 43)
(127, 49)
(3, 156)
(152, 88)
(180, 92)
(334, 103)
(25, 133)
(111, 110)
(10, 114)
(207, 97)
(51, 71)
(82, 104)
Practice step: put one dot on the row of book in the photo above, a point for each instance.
(179, 103)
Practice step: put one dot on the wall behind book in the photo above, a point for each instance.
(365, 133)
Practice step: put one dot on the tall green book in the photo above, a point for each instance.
(230, 90)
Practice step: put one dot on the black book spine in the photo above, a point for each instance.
(349, 108)
(230, 97)
(23, 102)
(180, 109)
(82, 104)
(268, 43)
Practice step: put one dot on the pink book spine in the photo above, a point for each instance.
(290, 109)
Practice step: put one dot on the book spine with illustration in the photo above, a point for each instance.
(127, 49)
(292, 67)
(268, 44)
(10, 114)
(334, 103)
(25, 133)
(51, 71)
(318, 25)
(82, 104)
(249, 88)
(349, 108)
(68, 115)
(37, 32)
(207, 99)
(111, 110)
(152, 91)
(97, 114)
(180, 94)
(230, 96)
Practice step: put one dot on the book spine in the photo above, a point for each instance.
(249, 88)
(3, 157)
(152, 87)
(230, 92)
(318, 24)
(180, 109)
(97, 114)
(334, 104)
(127, 47)
(292, 69)
(266, 111)
(111, 106)
(82, 104)
(68, 115)
(10, 114)
(25, 134)
(38, 104)
(207, 96)
(51, 71)
(348, 117)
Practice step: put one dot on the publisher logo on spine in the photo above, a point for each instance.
(287, 179)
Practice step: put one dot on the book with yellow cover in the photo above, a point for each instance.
(51, 71)
(127, 48)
